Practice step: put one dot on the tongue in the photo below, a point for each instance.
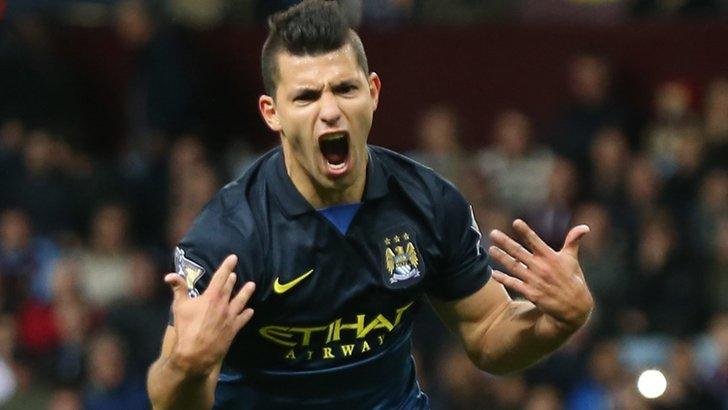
(335, 158)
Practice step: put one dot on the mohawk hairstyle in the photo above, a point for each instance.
(311, 27)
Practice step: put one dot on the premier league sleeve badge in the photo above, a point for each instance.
(191, 271)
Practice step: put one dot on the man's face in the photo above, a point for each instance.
(323, 109)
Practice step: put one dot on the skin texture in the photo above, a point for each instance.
(502, 335)
(185, 375)
(319, 95)
(329, 93)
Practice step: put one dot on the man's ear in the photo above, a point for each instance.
(269, 111)
(375, 86)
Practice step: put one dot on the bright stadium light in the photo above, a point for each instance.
(652, 384)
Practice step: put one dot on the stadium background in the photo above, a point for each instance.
(119, 120)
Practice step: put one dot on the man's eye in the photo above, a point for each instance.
(305, 97)
(347, 89)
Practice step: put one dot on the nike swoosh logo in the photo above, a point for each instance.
(281, 288)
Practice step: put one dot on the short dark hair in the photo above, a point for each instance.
(311, 27)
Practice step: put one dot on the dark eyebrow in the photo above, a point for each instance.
(346, 84)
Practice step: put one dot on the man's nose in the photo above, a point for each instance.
(330, 111)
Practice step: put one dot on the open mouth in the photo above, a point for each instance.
(335, 149)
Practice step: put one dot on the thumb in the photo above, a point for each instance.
(573, 239)
(178, 285)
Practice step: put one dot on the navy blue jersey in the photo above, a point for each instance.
(333, 311)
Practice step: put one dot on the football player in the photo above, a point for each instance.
(298, 283)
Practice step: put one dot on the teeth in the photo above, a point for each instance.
(337, 166)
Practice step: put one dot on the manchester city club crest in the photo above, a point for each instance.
(401, 259)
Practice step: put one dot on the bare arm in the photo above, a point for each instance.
(185, 375)
(171, 387)
(502, 335)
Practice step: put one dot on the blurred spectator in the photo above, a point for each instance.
(715, 121)
(711, 204)
(110, 383)
(664, 286)
(681, 189)
(179, 221)
(462, 384)
(42, 189)
(147, 300)
(567, 366)
(516, 167)
(162, 93)
(609, 156)
(31, 391)
(438, 144)
(685, 389)
(508, 392)
(642, 197)
(552, 219)
(601, 386)
(593, 106)
(105, 266)
(195, 188)
(26, 261)
(189, 170)
(144, 172)
(239, 156)
(717, 279)
(20, 387)
(604, 257)
(8, 382)
(191, 183)
(712, 356)
(543, 397)
(39, 332)
(491, 217)
(672, 122)
(35, 85)
(74, 321)
(65, 398)
(12, 135)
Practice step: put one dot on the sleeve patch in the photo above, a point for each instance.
(191, 271)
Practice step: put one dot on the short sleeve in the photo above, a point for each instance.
(211, 239)
(464, 268)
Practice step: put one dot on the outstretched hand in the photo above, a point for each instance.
(207, 324)
(551, 280)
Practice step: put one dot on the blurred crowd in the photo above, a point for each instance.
(86, 236)
(391, 12)
(655, 195)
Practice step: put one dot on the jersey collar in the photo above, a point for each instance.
(294, 204)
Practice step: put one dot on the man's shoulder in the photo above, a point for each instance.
(412, 176)
(243, 191)
(234, 209)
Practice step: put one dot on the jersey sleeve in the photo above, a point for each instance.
(211, 239)
(464, 268)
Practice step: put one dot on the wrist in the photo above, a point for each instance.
(555, 330)
(187, 366)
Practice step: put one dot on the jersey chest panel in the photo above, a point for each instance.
(336, 299)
